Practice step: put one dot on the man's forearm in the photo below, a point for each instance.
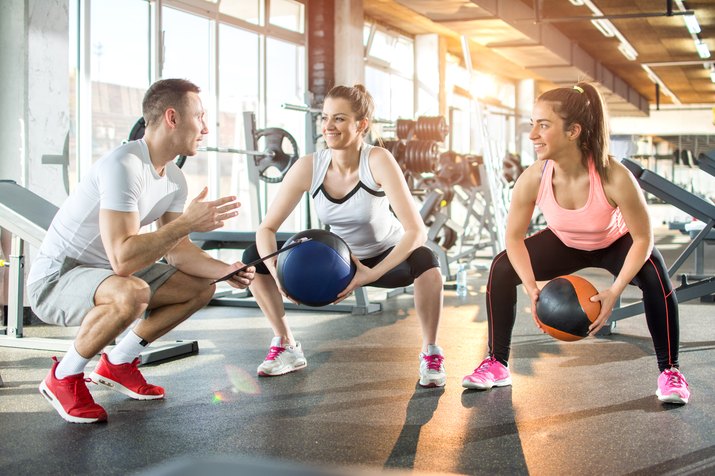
(141, 250)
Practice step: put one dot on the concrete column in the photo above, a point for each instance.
(13, 94)
(349, 51)
(321, 50)
(34, 99)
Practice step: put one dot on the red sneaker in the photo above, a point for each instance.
(126, 379)
(71, 398)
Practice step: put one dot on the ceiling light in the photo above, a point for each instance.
(692, 23)
(652, 76)
(702, 48)
(605, 27)
(629, 52)
(578, 3)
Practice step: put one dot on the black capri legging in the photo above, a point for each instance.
(404, 274)
(550, 258)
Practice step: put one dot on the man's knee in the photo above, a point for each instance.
(129, 295)
(206, 295)
(184, 288)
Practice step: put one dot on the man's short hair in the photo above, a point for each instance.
(165, 94)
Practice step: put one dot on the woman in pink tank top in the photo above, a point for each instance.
(597, 217)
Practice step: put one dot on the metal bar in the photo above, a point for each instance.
(684, 293)
(693, 245)
(239, 300)
(300, 107)
(36, 343)
(180, 348)
(249, 130)
(231, 150)
(16, 288)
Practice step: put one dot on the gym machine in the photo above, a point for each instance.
(443, 181)
(694, 206)
(28, 216)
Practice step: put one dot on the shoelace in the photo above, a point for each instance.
(274, 352)
(81, 392)
(676, 379)
(434, 362)
(486, 365)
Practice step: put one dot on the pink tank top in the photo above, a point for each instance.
(594, 226)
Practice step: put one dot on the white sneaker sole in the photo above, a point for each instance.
(482, 386)
(107, 382)
(50, 397)
(672, 398)
(286, 369)
(432, 382)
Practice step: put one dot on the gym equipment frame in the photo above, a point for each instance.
(28, 217)
(689, 203)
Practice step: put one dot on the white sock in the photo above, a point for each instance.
(127, 349)
(71, 364)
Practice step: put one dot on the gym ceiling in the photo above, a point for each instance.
(556, 43)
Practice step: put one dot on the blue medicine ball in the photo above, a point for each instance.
(314, 272)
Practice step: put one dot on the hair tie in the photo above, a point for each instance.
(578, 88)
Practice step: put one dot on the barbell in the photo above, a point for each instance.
(273, 156)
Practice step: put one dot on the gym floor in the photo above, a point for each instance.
(574, 408)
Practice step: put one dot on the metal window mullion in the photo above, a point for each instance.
(157, 42)
(212, 157)
(83, 132)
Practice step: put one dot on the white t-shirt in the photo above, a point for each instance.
(123, 180)
(363, 217)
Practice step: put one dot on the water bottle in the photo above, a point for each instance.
(462, 280)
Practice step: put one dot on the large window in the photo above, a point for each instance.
(497, 98)
(288, 14)
(119, 60)
(188, 56)
(239, 91)
(389, 72)
(285, 83)
(245, 55)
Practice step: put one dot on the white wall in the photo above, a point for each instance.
(666, 122)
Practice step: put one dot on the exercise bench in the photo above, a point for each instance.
(690, 204)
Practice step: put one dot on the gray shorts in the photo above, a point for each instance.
(65, 297)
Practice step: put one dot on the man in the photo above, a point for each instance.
(96, 271)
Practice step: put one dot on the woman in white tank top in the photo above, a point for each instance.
(354, 186)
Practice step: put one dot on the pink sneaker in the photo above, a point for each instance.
(71, 398)
(672, 387)
(126, 379)
(490, 373)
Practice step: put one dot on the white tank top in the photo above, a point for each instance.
(362, 217)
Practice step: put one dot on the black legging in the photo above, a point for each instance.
(404, 274)
(550, 258)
